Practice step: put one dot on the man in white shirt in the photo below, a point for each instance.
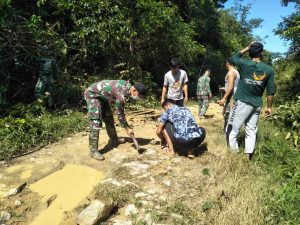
(231, 82)
(175, 82)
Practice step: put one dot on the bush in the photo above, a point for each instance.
(33, 126)
(282, 161)
(289, 117)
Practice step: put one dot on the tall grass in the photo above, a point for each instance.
(33, 126)
(281, 160)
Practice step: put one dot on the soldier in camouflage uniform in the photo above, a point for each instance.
(99, 97)
(203, 93)
(45, 84)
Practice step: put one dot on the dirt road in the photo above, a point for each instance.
(209, 189)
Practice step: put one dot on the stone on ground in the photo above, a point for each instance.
(5, 216)
(96, 212)
(131, 210)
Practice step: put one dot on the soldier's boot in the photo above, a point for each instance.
(93, 144)
(114, 140)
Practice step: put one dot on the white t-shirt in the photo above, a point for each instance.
(175, 84)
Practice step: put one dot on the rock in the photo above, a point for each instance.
(137, 166)
(112, 181)
(167, 183)
(151, 191)
(150, 151)
(122, 222)
(17, 190)
(5, 216)
(176, 216)
(126, 182)
(18, 203)
(151, 178)
(148, 219)
(96, 212)
(144, 202)
(131, 210)
(140, 195)
(162, 198)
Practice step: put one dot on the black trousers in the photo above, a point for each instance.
(182, 146)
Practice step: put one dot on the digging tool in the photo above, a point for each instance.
(136, 144)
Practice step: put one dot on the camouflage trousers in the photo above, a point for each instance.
(203, 104)
(98, 111)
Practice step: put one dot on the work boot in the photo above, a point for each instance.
(112, 133)
(93, 144)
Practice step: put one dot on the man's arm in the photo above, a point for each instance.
(270, 94)
(159, 130)
(268, 111)
(237, 58)
(230, 79)
(185, 90)
(119, 106)
(208, 87)
(163, 94)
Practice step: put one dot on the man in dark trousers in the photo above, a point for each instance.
(255, 77)
(99, 97)
(178, 128)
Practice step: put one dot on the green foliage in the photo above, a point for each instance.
(282, 161)
(32, 126)
(289, 29)
(289, 118)
(206, 172)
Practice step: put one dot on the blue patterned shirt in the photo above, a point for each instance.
(185, 126)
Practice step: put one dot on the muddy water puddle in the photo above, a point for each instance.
(66, 188)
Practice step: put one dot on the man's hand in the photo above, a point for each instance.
(162, 101)
(222, 102)
(268, 112)
(130, 132)
(210, 95)
(185, 100)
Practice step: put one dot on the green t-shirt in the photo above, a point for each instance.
(255, 77)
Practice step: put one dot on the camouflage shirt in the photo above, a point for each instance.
(203, 86)
(114, 92)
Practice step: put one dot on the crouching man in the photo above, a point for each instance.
(99, 98)
(178, 129)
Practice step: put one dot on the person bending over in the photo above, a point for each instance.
(178, 128)
(99, 98)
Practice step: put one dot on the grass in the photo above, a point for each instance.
(30, 127)
(282, 161)
(120, 195)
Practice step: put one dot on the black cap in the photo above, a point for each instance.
(256, 49)
(140, 87)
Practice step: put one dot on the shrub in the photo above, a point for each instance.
(33, 126)
(289, 117)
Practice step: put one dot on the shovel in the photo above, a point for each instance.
(136, 144)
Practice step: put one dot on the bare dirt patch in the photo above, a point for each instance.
(217, 187)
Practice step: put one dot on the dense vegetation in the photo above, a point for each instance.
(94, 39)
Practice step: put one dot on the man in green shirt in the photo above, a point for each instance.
(256, 76)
